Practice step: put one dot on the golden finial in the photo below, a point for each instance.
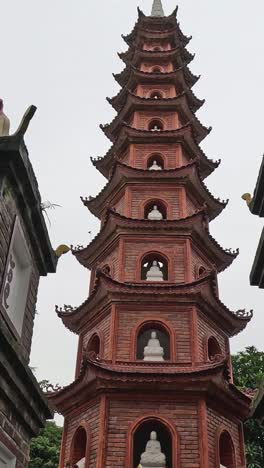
(61, 250)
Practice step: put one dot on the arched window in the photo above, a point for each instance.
(156, 69)
(79, 445)
(157, 49)
(155, 125)
(153, 434)
(226, 451)
(154, 267)
(201, 271)
(94, 345)
(155, 162)
(155, 210)
(153, 351)
(156, 94)
(106, 269)
(213, 348)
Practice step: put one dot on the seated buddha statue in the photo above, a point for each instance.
(155, 273)
(155, 214)
(153, 456)
(153, 351)
(155, 167)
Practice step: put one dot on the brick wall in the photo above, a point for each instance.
(177, 318)
(89, 416)
(174, 250)
(142, 119)
(215, 421)
(170, 195)
(13, 435)
(123, 413)
(144, 90)
(206, 328)
(103, 326)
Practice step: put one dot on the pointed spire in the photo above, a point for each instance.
(157, 8)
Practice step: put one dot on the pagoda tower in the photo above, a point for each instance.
(153, 384)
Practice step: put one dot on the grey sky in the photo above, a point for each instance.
(60, 56)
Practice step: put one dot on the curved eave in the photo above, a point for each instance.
(142, 35)
(192, 226)
(180, 104)
(135, 55)
(181, 136)
(202, 292)
(119, 102)
(188, 175)
(132, 74)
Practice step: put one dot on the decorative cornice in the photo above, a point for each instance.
(122, 174)
(203, 292)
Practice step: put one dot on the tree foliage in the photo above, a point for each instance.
(248, 368)
(45, 449)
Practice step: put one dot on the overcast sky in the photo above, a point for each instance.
(60, 56)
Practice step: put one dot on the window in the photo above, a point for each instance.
(214, 349)
(154, 267)
(157, 49)
(226, 451)
(155, 210)
(17, 278)
(152, 434)
(79, 445)
(159, 344)
(7, 459)
(94, 345)
(156, 126)
(201, 271)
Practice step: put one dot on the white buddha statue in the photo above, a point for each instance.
(155, 167)
(80, 463)
(4, 121)
(156, 128)
(155, 214)
(153, 456)
(155, 273)
(153, 351)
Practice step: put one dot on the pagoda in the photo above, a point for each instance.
(153, 385)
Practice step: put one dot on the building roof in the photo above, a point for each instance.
(202, 292)
(16, 167)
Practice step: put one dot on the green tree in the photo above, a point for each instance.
(248, 367)
(45, 449)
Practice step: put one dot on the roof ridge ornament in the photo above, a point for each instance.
(157, 8)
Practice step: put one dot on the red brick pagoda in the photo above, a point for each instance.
(153, 383)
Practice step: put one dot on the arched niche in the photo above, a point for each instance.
(151, 260)
(227, 457)
(79, 445)
(94, 345)
(157, 49)
(155, 158)
(156, 94)
(152, 204)
(144, 334)
(213, 348)
(201, 271)
(166, 438)
(155, 125)
(157, 69)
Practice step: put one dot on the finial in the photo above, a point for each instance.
(157, 8)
